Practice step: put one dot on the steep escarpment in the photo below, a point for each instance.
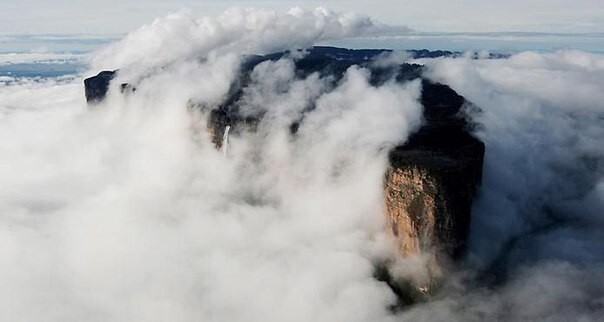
(430, 180)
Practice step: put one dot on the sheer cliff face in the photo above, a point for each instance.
(410, 203)
(431, 181)
(428, 199)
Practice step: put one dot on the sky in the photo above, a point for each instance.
(122, 16)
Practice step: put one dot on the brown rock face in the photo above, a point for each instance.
(430, 183)
(429, 202)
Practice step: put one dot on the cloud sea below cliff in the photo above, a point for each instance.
(125, 211)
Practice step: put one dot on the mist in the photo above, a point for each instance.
(125, 210)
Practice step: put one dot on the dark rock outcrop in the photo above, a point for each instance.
(431, 179)
(96, 87)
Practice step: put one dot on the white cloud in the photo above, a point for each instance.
(39, 58)
(539, 213)
(126, 211)
(240, 30)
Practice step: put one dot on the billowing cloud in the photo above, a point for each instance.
(245, 31)
(537, 231)
(126, 211)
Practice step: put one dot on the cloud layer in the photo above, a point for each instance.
(126, 211)
(537, 228)
(239, 30)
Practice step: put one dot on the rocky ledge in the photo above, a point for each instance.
(431, 179)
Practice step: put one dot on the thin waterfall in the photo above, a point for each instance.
(225, 140)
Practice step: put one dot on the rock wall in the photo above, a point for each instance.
(428, 196)
(431, 181)
(96, 87)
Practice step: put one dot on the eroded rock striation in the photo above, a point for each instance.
(431, 179)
